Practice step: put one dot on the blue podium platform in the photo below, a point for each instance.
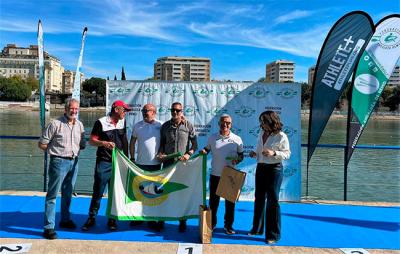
(307, 225)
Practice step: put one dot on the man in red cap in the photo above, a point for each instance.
(108, 132)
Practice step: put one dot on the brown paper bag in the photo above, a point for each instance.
(205, 224)
(230, 184)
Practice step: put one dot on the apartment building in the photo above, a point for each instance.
(280, 71)
(394, 79)
(174, 68)
(23, 62)
(68, 79)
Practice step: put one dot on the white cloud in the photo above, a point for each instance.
(302, 43)
(296, 14)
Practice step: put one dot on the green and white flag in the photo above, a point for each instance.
(373, 71)
(173, 193)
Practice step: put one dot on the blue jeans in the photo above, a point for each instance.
(61, 172)
(102, 176)
(268, 183)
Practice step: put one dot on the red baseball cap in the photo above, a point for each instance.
(120, 103)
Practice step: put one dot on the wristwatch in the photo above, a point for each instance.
(190, 153)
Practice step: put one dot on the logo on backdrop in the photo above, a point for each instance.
(175, 91)
(259, 92)
(148, 90)
(203, 91)
(245, 111)
(289, 131)
(235, 130)
(217, 111)
(388, 39)
(287, 93)
(366, 84)
(255, 131)
(230, 91)
(120, 90)
(189, 110)
(162, 110)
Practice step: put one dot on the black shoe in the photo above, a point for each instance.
(67, 224)
(112, 224)
(182, 226)
(271, 241)
(253, 232)
(135, 223)
(91, 221)
(50, 234)
(229, 231)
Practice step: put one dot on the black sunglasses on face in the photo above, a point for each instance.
(146, 110)
(176, 110)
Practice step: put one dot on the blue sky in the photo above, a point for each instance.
(240, 37)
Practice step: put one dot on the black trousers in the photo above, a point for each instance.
(214, 203)
(268, 183)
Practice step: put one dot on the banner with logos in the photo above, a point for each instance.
(340, 53)
(204, 102)
(374, 69)
(174, 193)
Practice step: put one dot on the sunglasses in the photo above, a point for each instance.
(144, 111)
(227, 123)
(176, 110)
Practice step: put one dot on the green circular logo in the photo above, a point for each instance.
(217, 110)
(203, 91)
(388, 38)
(245, 111)
(189, 110)
(175, 91)
(162, 110)
(259, 92)
(287, 93)
(255, 131)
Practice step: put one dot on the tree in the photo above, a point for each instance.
(123, 74)
(97, 85)
(32, 83)
(14, 89)
(262, 79)
(305, 94)
(393, 100)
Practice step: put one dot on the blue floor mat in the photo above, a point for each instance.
(309, 225)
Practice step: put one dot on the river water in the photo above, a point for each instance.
(374, 175)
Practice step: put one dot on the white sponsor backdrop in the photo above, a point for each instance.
(204, 102)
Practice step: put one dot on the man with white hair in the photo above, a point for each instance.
(62, 139)
(227, 150)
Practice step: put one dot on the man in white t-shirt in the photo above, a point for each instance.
(146, 134)
(227, 150)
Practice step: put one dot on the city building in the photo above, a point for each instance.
(175, 68)
(68, 79)
(394, 79)
(23, 62)
(311, 72)
(280, 71)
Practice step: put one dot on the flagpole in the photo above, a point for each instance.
(42, 96)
